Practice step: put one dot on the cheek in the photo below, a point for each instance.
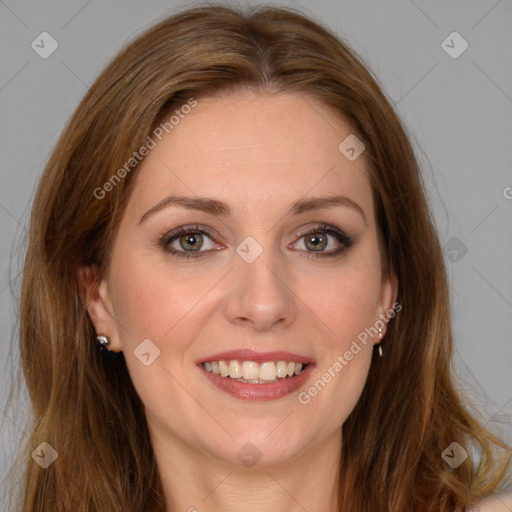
(346, 301)
(347, 306)
(151, 300)
(348, 313)
(153, 303)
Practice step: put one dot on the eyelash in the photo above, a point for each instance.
(339, 235)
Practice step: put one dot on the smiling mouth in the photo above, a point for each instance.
(251, 372)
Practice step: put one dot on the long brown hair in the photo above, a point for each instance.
(84, 404)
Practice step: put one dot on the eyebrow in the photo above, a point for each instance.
(221, 209)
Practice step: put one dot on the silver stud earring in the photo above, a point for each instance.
(103, 342)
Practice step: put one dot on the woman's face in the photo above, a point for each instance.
(252, 268)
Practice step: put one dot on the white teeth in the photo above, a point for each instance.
(224, 369)
(281, 369)
(268, 371)
(252, 372)
(235, 370)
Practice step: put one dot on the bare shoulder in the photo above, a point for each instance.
(501, 503)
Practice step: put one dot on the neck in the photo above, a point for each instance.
(200, 482)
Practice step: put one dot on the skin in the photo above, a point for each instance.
(501, 503)
(257, 153)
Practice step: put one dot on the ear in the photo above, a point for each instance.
(387, 303)
(94, 293)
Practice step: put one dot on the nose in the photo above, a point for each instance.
(261, 293)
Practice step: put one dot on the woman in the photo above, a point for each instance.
(234, 296)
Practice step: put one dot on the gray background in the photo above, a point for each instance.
(457, 110)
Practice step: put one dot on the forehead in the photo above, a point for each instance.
(253, 150)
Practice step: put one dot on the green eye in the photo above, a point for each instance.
(192, 241)
(317, 243)
(195, 241)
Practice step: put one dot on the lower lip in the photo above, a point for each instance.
(259, 392)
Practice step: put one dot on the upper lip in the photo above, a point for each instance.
(257, 357)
